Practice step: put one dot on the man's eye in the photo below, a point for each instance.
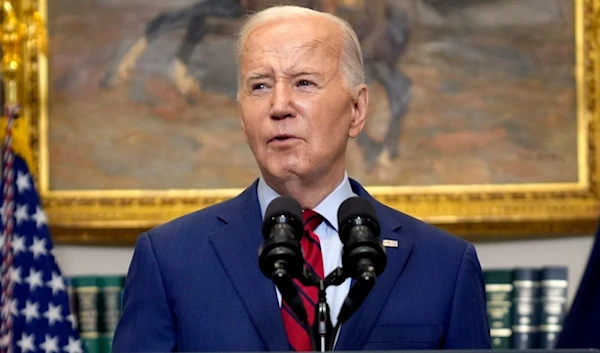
(258, 86)
(304, 83)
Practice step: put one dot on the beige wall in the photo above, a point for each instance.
(573, 252)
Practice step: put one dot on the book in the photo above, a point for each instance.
(86, 302)
(498, 290)
(554, 285)
(526, 308)
(110, 308)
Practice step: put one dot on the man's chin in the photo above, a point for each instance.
(283, 173)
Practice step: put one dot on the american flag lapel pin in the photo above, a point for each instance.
(390, 243)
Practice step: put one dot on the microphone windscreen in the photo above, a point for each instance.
(284, 206)
(352, 208)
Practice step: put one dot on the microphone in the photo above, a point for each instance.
(280, 256)
(363, 256)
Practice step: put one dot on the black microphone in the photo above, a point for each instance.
(280, 255)
(363, 256)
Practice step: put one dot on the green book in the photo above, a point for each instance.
(498, 290)
(110, 290)
(86, 302)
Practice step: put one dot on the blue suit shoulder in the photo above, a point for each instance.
(420, 233)
(425, 236)
(196, 225)
(170, 266)
(443, 271)
(189, 225)
(178, 241)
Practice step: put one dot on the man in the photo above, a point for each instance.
(580, 328)
(194, 283)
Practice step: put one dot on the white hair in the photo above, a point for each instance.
(351, 58)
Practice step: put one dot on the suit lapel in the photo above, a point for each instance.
(355, 331)
(236, 245)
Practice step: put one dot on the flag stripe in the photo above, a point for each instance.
(8, 206)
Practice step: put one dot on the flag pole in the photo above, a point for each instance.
(12, 34)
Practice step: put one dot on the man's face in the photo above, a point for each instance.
(297, 113)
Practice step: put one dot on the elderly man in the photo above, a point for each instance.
(194, 284)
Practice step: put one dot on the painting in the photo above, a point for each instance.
(142, 93)
(480, 109)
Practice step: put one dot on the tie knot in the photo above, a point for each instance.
(312, 220)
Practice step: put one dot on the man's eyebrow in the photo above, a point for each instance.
(257, 75)
(294, 73)
(298, 70)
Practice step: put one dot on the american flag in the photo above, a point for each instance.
(35, 308)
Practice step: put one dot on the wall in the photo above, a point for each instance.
(573, 252)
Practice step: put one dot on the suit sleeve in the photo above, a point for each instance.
(468, 325)
(147, 323)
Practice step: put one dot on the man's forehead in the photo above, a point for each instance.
(299, 33)
(282, 47)
(306, 58)
(295, 48)
(329, 44)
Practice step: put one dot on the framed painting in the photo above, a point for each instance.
(483, 117)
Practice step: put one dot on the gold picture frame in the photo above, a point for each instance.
(474, 211)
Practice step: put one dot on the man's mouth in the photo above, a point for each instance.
(283, 137)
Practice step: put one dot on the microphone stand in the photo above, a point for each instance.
(322, 332)
(322, 327)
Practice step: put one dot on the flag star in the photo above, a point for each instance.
(73, 320)
(10, 308)
(31, 311)
(38, 248)
(23, 182)
(40, 217)
(15, 275)
(21, 214)
(50, 345)
(56, 283)
(26, 343)
(74, 346)
(18, 244)
(53, 314)
(34, 279)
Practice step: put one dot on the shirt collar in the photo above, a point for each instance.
(328, 208)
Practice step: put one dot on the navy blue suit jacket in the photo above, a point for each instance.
(194, 285)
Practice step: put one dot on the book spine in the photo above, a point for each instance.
(554, 285)
(86, 294)
(525, 323)
(499, 288)
(111, 288)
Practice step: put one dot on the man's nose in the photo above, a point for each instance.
(281, 102)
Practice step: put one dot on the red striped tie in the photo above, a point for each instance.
(297, 331)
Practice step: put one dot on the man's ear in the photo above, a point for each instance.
(242, 123)
(360, 103)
